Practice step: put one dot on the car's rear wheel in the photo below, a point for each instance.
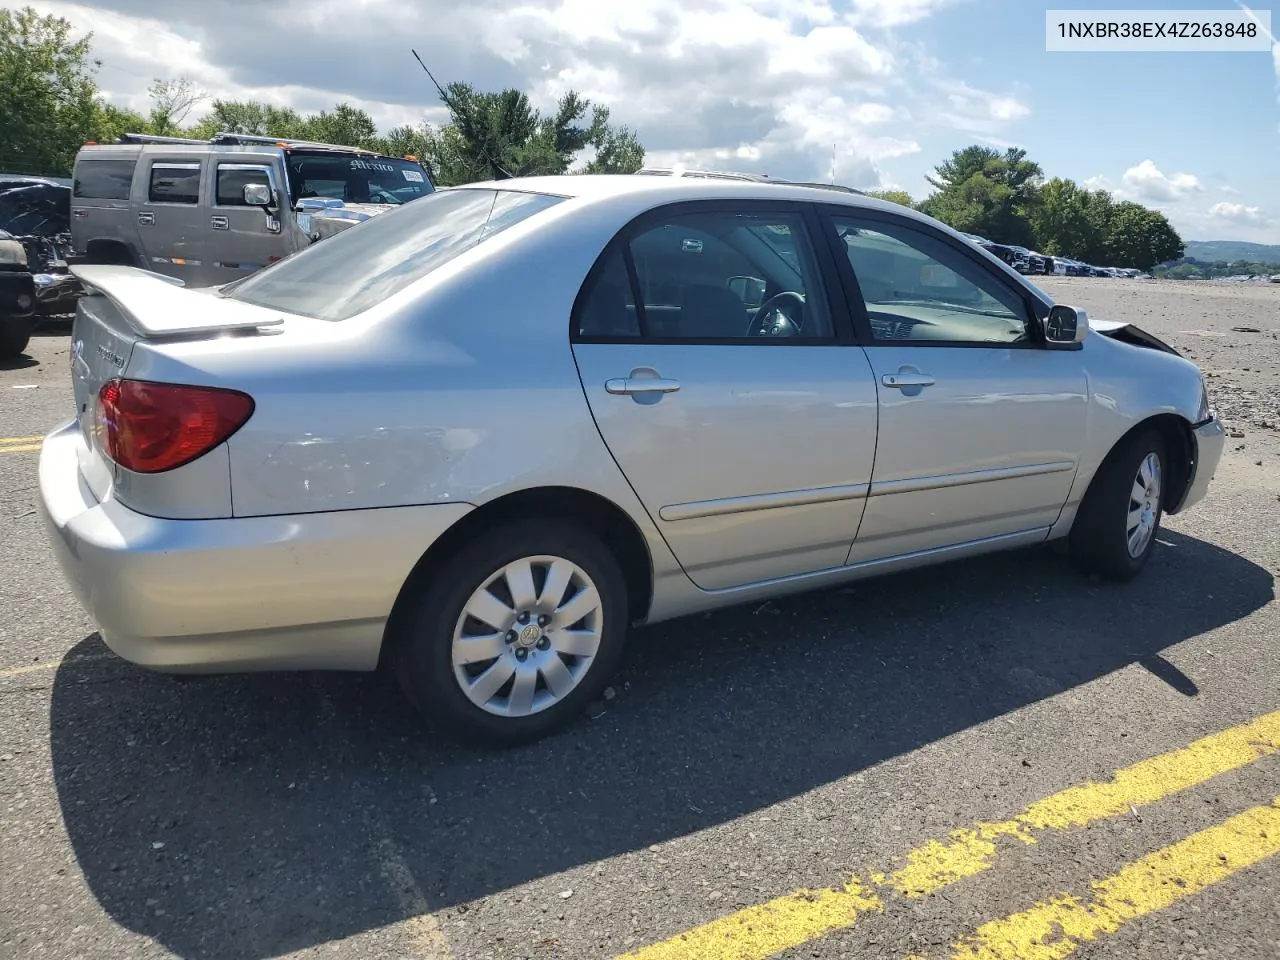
(515, 634)
(1115, 530)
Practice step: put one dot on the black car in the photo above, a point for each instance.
(37, 213)
(17, 298)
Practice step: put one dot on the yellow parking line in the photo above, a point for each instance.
(9, 441)
(764, 930)
(1057, 928)
(21, 448)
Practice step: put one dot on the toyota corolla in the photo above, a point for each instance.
(476, 439)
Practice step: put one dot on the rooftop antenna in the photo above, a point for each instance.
(833, 164)
(444, 99)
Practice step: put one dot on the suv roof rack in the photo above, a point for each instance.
(155, 138)
(242, 139)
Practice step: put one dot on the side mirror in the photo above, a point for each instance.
(1065, 325)
(258, 195)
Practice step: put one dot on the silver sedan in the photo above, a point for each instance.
(475, 439)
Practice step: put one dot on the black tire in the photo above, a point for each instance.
(15, 334)
(1099, 536)
(421, 649)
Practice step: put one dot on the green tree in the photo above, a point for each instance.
(1060, 221)
(980, 190)
(346, 125)
(1140, 237)
(251, 118)
(171, 102)
(893, 196)
(48, 97)
(494, 135)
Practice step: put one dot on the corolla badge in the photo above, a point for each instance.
(110, 357)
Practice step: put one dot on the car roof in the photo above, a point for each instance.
(649, 191)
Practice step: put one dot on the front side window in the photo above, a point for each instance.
(363, 265)
(731, 276)
(175, 183)
(917, 287)
(103, 179)
(233, 178)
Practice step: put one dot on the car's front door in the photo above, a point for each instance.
(241, 238)
(981, 423)
(723, 379)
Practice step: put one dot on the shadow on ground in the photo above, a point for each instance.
(248, 817)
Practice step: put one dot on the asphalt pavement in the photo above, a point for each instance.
(992, 759)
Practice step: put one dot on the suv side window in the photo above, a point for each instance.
(174, 183)
(103, 179)
(231, 179)
(709, 276)
(917, 287)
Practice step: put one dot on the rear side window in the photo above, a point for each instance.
(233, 178)
(347, 274)
(103, 179)
(175, 183)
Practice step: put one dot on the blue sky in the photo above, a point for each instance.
(1214, 116)
(886, 88)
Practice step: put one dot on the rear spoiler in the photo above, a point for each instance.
(161, 306)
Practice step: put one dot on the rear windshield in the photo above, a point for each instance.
(350, 272)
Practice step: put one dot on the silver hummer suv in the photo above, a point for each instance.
(208, 212)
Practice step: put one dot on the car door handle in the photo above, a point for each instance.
(146, 219)
(629, 386)
(220, 223)
(900, 380)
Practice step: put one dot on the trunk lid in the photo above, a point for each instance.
(122, 306)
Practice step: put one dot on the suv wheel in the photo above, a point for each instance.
(517, 633)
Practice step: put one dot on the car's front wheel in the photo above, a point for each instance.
(1115, 530)
(515, 634)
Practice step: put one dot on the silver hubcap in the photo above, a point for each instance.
(527, 636)
(1144, 506)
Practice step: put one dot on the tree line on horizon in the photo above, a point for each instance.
(50, 105)
(1004, 198)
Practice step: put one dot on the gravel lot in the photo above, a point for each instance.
(745, 756)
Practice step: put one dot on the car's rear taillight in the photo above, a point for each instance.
(152, 427)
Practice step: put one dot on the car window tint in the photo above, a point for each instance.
(363, 265)
(232, 181)
(729, 276)
(606, 307)
(175, 183)
(917, 287)
(103, 179)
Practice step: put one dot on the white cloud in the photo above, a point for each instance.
(1238, 213)
(1146, 182)
(769, 85)
(894, 13)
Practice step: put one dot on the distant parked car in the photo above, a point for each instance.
(477, 437)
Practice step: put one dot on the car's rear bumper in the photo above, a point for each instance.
(307, 591)
(1210, 438)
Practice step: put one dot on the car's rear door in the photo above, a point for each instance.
(749, 441)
